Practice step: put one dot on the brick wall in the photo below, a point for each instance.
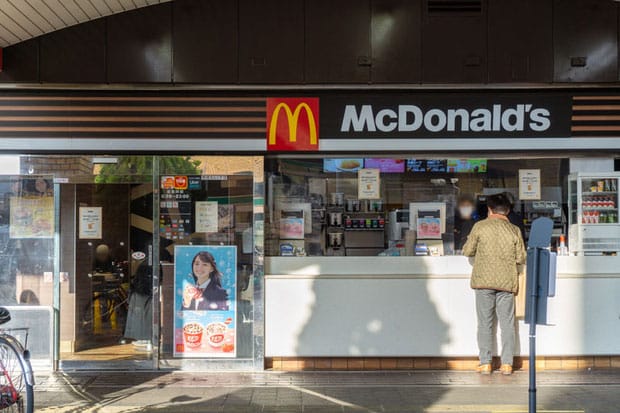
(432, 363)
(61, 166)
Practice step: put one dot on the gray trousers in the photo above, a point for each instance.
(489, 304)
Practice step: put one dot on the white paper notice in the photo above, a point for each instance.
(206, 216)
(529, 184)
(90, 223)
(368, 184)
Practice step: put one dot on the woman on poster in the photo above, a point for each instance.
(207, 292)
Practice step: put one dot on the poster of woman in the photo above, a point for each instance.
(205, 301)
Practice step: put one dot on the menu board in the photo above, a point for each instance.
(416, 165)
(342, 165)
(205, 302)
(427, 165)
(467, 165)
(436, 165)
(387, 165)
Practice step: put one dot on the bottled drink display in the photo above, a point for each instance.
(599, 202)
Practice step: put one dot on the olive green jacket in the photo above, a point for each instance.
(498, 249)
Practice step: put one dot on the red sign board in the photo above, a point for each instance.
(292, 124)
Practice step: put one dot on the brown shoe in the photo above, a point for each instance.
(485, 369)
(506, 369)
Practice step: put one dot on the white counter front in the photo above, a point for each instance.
(423, 306)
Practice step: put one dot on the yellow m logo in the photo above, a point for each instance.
(292, 118)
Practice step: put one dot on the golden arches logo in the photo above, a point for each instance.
(292, 118)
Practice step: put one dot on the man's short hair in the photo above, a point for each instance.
(498, 204)
(466, 198)
(511, 199)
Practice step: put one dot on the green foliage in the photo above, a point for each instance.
(139, 168)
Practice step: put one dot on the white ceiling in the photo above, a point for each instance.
(24, 19)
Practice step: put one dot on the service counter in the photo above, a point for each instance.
(424, 307)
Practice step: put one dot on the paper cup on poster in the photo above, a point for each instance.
(192, 334)
(216, 333)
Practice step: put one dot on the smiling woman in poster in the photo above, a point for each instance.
(207, 293)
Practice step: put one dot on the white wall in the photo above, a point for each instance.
(391, 315)
(591, 165)
(9, 165)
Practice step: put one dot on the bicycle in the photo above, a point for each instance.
(109, 302)
(16, 377)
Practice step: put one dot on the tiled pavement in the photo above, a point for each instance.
(596, 391)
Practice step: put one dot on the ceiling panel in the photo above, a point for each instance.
(57, 7)
(75, 11)
(125, 4)
(28, 10)
(41, 8)
(24, 19)
(12, 27)
(118, 6)
(27, 27)
(101, 7)
(88, 8)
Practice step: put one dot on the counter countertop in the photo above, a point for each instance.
(420, 267)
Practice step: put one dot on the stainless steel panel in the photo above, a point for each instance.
(364, 239)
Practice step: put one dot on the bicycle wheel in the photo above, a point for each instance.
(16, 392)
(100, 305)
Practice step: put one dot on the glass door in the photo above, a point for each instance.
(106, 265)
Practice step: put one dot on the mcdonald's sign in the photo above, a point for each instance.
(292, 124)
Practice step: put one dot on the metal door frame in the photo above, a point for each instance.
(76, 365)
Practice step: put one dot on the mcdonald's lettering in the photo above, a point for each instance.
(292, 124)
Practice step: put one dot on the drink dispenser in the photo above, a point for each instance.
(398, 223)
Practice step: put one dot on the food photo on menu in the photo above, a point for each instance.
(386, 165)
(205, 301)
(342, 165)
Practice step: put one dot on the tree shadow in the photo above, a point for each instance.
(364, 322)
(372, 320)
(140, 396)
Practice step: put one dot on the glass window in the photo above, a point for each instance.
(210, 221)
(26, 240)
(412, 205)
(27, 260)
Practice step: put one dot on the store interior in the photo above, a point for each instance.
(422, 206)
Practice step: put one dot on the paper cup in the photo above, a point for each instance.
(192, 333)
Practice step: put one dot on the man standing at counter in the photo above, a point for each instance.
(498, 249)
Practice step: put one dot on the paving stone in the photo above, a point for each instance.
(400, 391)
